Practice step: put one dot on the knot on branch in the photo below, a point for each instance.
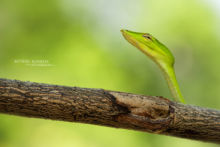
(152, 114)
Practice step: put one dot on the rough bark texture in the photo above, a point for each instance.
(115, 109)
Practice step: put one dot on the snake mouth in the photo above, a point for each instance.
(135, 41)
(129, 38)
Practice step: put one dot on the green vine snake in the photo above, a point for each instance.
(160, 54)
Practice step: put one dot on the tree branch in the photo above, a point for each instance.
(109, 108)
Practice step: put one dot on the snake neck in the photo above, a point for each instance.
(170, 76)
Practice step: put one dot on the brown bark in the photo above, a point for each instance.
(109, 108)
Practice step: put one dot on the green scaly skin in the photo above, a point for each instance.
(160, 54)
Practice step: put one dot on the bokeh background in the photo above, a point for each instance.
(79, 44)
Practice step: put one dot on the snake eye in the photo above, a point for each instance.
(147, 36)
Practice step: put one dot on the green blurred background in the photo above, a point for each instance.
(82, 46)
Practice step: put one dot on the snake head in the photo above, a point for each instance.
(150, 46)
